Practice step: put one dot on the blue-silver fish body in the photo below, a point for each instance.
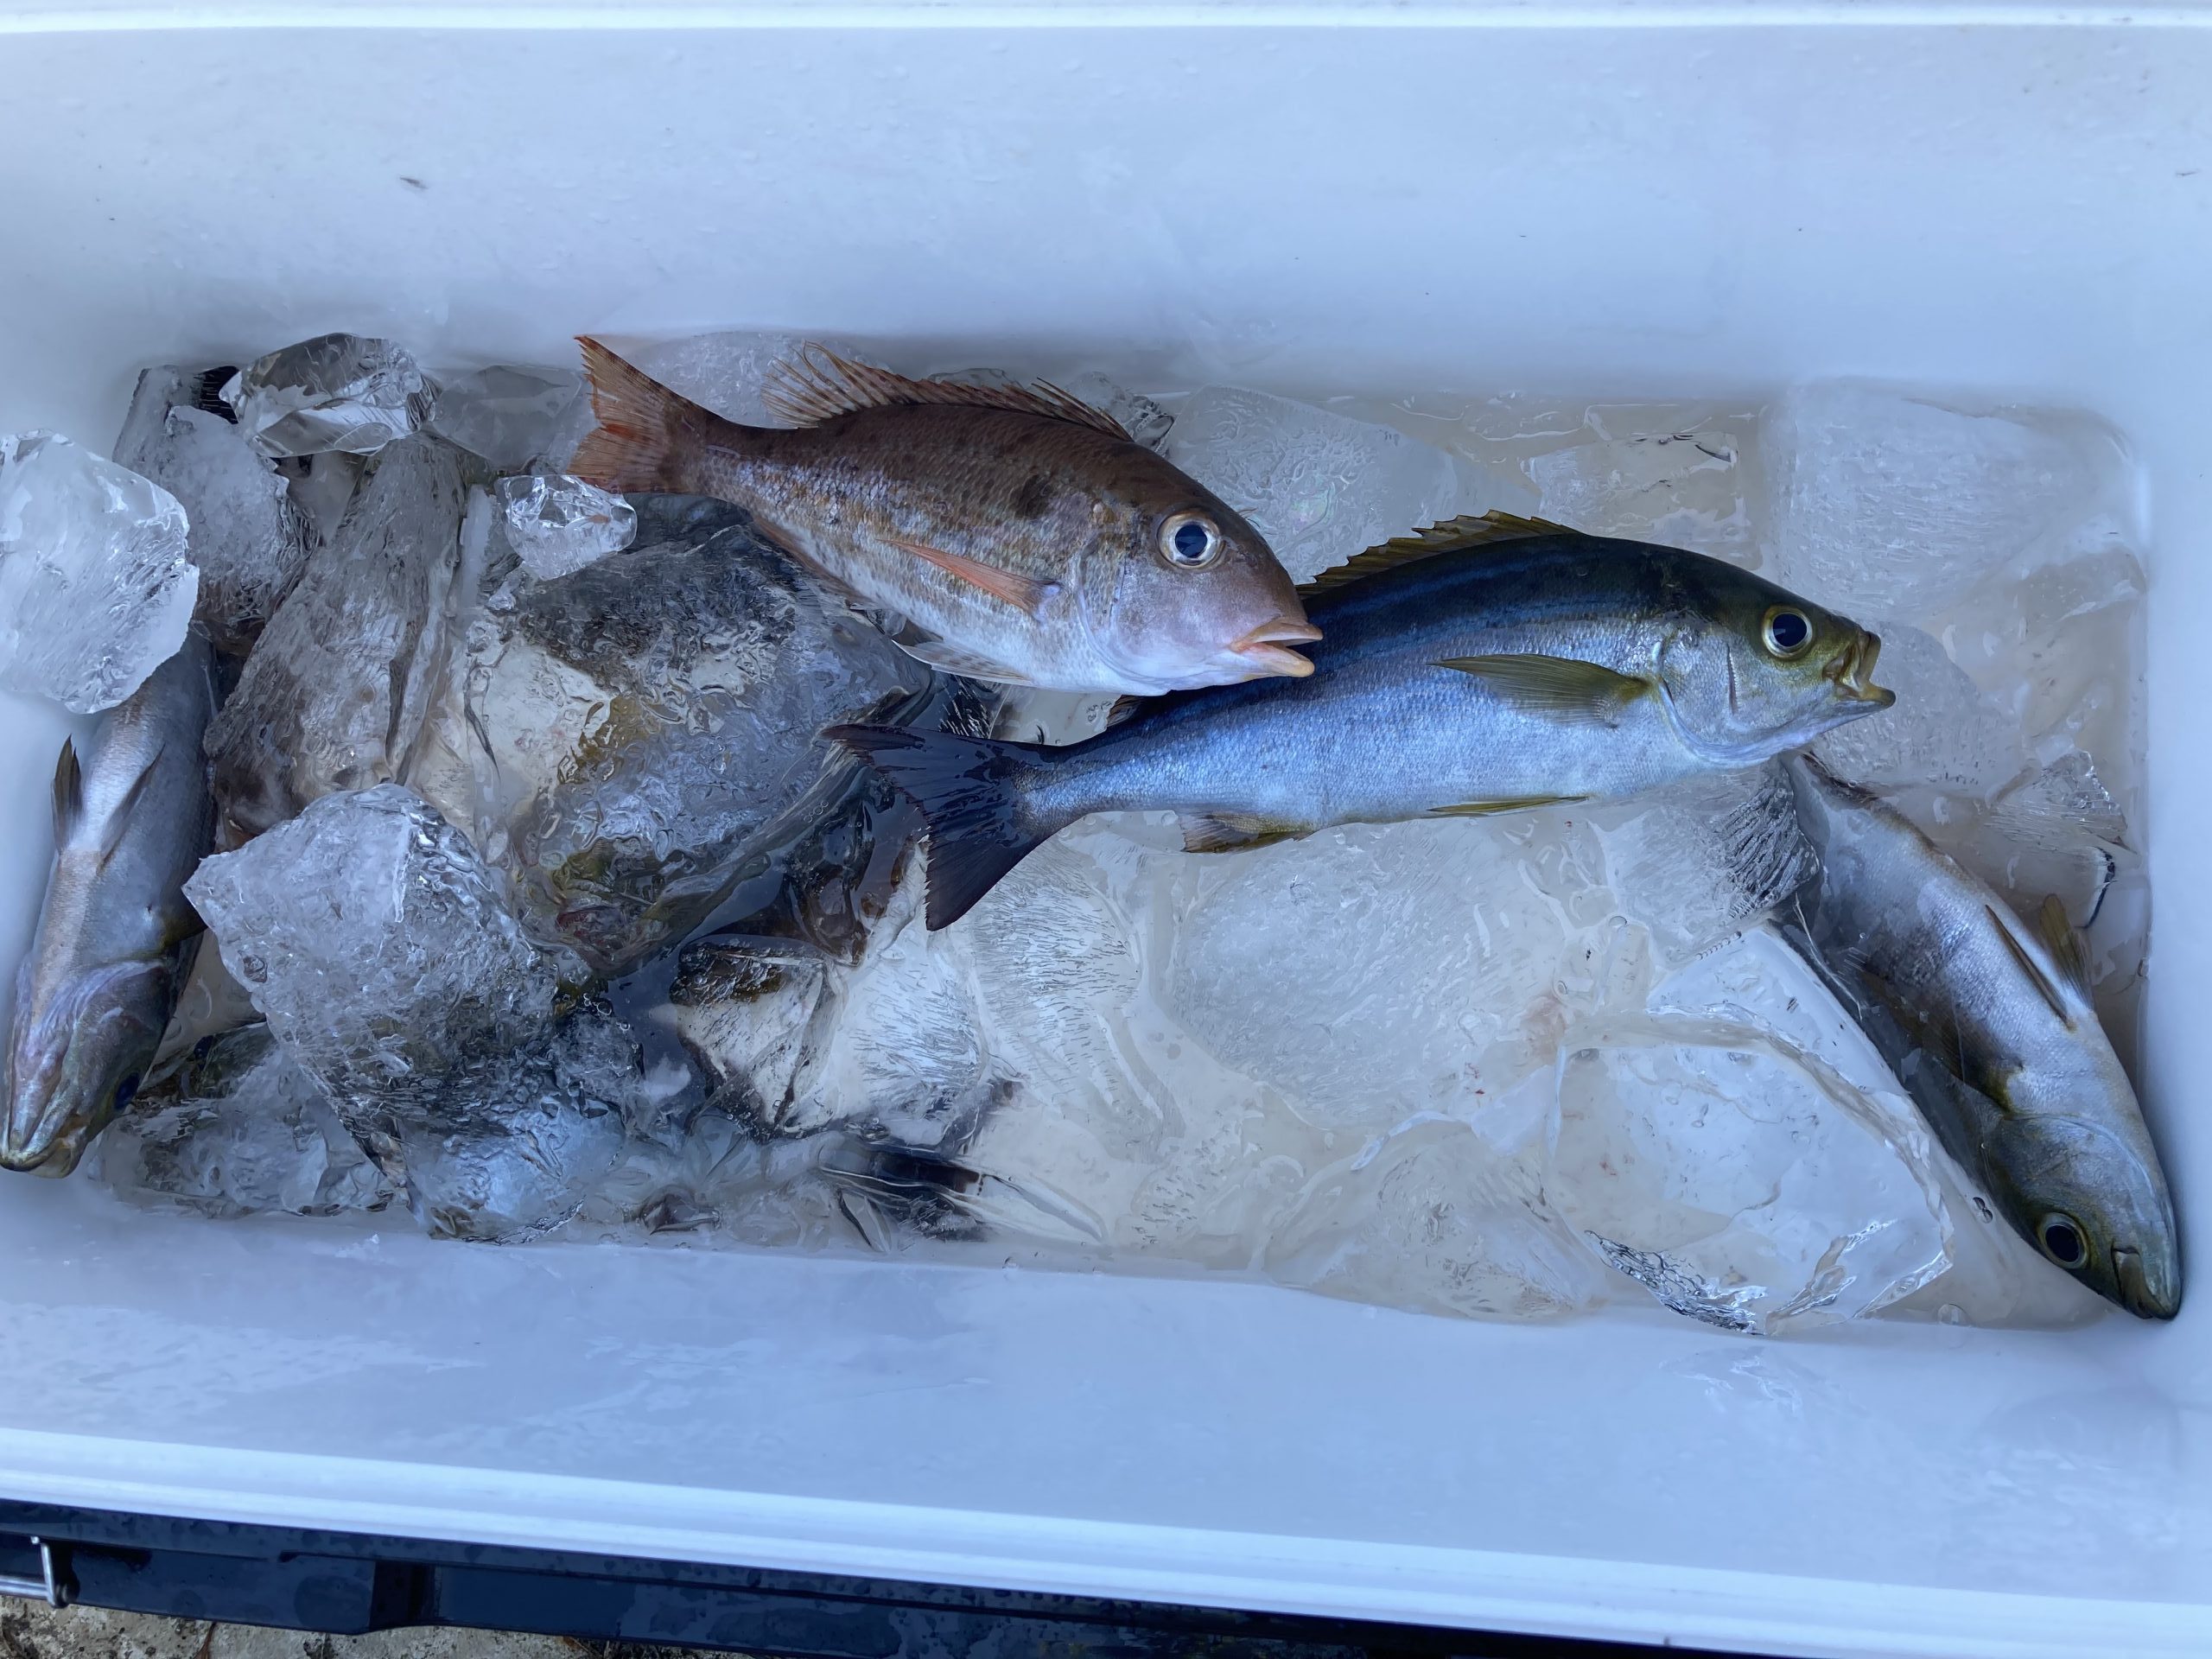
(1987, 1022)
(1482, 666)
(115, 935)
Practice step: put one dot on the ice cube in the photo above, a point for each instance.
(247, 538)
(516, 1144)
(1371, 971)
(335, 391)
(1695, 861)
(1677, 488)
(240, 1128)
(727, 372)
(750, 1012)
(1943, 729)
(512, 415)
(1441, 1218)
(1883, 505)
(558, 524)
(335, 693)
(97, 583)
(1319, 486)
(1740, 1180)
(375, 942)
(1140, 417)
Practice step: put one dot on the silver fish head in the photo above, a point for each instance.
(77, 1058)
(1749, 670)
(1195, 596)
(2090, 1199)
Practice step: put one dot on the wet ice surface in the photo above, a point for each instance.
(96, 580)
(559, 524)
(334, 392)
(1520, 1068)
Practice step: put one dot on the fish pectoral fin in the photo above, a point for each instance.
(1025, 594)
(2037, 976)
(1561, 686)
(1467, 534)
(949, 658)
(1232, 832)
(1126, 707)
(68, 793)
(1508, 804)
(2067, 946)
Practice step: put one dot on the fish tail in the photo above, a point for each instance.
(647, 435)
(972, 792)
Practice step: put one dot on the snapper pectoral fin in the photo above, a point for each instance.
(1025, 594)
(1232, 832)
(1559, 686)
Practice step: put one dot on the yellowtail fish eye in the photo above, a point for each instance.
(1788, 632)
(1190, 541)
(2062, 1241)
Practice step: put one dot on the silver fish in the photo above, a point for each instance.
(131, 822)
(1988, 1025)
(1485, 666)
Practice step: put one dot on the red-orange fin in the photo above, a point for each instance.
(817, 385)
(1023, 592)
(647, 435)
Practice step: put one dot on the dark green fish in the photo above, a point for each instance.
(1480, 666)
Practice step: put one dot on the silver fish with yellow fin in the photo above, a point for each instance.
(1483, 666)
(1987, 1023)
(1022, 536)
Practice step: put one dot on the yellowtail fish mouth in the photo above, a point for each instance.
(2137, 1293)
(1264, 650)
(1853, 672)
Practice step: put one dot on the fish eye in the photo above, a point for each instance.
(2062, 1241)
(1190, 541)
(1789, 631)
(126, 1091)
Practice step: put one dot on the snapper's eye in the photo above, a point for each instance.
(2062, 1241)
(1190, 541)
(1788, 632)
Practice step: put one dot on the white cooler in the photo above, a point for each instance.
(1678, 199)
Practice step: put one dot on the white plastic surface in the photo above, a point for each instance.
(2006, 200)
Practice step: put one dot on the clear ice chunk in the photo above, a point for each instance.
(240, 1129)
(97, 583)
(377, 946)
(558, 524)
(1319, 486)
(1887, 506)
(1677, 488)
(1739, 1180)
(512, 416)
(247, 536)
(335, 391)
(336, 691)
(1141, 418)
(1943, 730)
(1441, 966)
(644, 731)
(750, 1011)
(1440, 1218)
(1695, 861)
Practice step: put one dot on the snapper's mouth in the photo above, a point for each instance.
(1852, 670)
(1265, 650)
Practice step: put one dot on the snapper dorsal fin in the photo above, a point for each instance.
(816, 385)
(1468, 533)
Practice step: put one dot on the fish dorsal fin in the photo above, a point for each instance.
(2042, 981)
(68, 793)
(1466, 534)
(2065, 942)
(816, 385)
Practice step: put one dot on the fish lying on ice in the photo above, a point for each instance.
(1988, 1025)
(1483, 665)
(131, 820)
(1021, 535)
